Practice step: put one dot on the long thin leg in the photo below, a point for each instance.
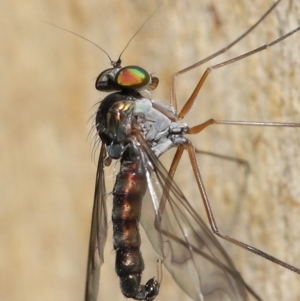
(173, 101)
(200, 127)
(211, 219)
(225, 157)
(173, 168)
(192, 155)
(189, 103)
(241, 162)
(171, 173)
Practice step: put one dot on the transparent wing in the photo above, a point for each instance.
(98, 232)
(190, 251)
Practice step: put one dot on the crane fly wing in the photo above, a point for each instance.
(98, 232)
(190, 252)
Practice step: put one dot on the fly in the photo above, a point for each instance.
(135, 130)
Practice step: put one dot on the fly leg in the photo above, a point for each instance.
(191, 100)
(192, 156)
(198, 128)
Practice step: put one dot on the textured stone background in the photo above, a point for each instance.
(47, 96)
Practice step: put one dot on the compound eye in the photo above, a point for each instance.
(133, 77)
(106, 80)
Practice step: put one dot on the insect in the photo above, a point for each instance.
(136, 130)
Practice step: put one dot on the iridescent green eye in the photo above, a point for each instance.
(133, 77)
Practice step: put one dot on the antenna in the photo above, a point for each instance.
(139, 29)
(113, 63)
(78, 35)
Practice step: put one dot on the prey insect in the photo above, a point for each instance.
(135, 130)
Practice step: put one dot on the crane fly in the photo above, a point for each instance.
(135, 131)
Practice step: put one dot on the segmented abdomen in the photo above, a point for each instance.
(128, 193)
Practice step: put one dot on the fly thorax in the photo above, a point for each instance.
(153, 124)
(115, 125)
